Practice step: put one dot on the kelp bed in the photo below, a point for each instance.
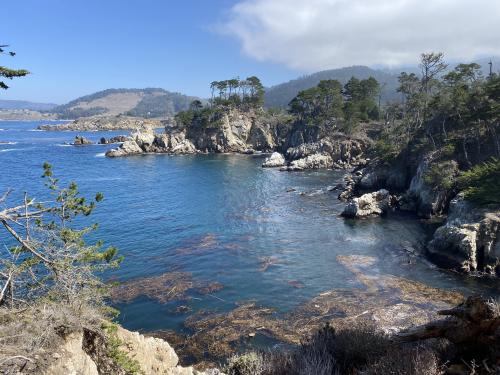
(392, 303)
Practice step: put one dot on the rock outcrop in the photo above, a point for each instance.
(147, 141)
(336, 151)
(81, 141)
(104, 124)
(273, 161)
(117, 139)
(431, 198)
(315, 161)
(470, 239)
(86, 353)
(375, 203)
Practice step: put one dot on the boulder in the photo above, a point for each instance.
(315, 161)
(127, 148)
(275, 160)
(81, 141)
(375, 203)
(470, 239)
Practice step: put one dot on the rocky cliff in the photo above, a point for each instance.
(122, 352)
(469, 240)
(252, 131)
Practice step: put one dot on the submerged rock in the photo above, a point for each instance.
(470, 239)
(275, 160)
(375, 203)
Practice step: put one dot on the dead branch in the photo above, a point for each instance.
(473, 322)
(25, 244)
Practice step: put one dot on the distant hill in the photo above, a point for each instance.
(280, 95)
(148, 103)
(23, 104)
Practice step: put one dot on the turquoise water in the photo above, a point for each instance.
(216, 217)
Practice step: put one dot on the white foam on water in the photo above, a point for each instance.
(63, 145)
(100, 155)
(8, 143)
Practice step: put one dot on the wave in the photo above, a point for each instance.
(100, 155)
(36, 130)
(8, 143)
(63, 145)
(9, 149)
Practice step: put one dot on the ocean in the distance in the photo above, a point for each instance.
(220, 218)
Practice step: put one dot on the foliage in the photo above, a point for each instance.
(280, 95)
(441, 175)
(247, 93)
(320, 104)
(481, 183)
(115, 352)
(50, 259)
(358, 348)
(329, 102)
(8, 72)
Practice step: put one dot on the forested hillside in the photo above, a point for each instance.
(280, 95)
(148, 103)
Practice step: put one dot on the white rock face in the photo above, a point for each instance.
(275, 160)
(154, 356)
(127, 148)
(71, 359)
(315, 161)
(375, 203)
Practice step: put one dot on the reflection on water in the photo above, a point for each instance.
(224, 224)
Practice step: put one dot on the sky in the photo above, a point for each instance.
(78, 47)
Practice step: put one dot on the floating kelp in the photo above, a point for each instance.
(390, 302)
(163, 288)
(210, 288)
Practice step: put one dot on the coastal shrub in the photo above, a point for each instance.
(386, 150)
(481, 183)
(115, 352)
(441, 175)
(251, 363)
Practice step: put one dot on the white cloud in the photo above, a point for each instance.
(310, 35)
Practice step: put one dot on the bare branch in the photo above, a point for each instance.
(25, 244)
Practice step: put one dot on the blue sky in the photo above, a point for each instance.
(76, 47)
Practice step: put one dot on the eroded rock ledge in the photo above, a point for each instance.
(86, 353)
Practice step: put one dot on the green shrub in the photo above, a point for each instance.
(441, 175)
(386, 150)
(245, 364)
(481, 183)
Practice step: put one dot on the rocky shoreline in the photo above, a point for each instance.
(469, 239)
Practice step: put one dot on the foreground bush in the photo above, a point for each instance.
(48, 274)
(359, 348)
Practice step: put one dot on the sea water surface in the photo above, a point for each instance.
(219, 217)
